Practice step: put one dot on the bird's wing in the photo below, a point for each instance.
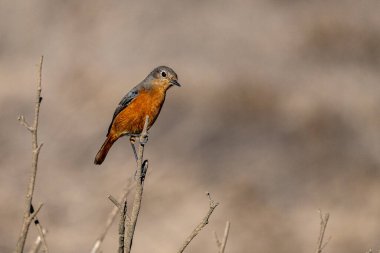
(125, 101)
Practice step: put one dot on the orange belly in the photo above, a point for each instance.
(131, 120)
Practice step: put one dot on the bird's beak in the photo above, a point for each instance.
(175, 82)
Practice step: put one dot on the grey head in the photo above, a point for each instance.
(163, 76)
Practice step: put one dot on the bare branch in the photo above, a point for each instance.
(34, 214)
(222, 244)
(23, 122)
(42, 232)
(28, 217)
(39, 241)
(142, 167)
(200, 226)
(114, 201)
(123, 214)
(112, 216)
(324, 220)
(327, 241)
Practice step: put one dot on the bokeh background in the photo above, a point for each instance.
(278, 117)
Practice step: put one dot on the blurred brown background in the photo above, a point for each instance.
(278, 117)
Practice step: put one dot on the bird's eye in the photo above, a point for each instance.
(163, 74)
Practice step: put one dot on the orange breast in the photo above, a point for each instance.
(131, 120)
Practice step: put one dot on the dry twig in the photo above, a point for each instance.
(111, 217)
(222, 244)
(28, 214)
(123, 215)
(38, 242)
(320, 244)
(142, 166)
(42, 233)
(200, 226)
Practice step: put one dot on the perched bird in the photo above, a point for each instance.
(145, 99)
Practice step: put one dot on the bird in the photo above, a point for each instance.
(145, 99)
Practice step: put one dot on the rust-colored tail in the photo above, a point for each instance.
(101, 155)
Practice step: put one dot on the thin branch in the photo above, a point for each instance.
(23, 122)
(115, 202)
(112, 217)
(222, 244)
(42, 233)
(142, 167)
(123, 215)
(39, 241)
(41, 230)
(200, 226)
(320, 244)
(35, 153)
(34, 214)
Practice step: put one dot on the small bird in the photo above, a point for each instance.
(145, 99)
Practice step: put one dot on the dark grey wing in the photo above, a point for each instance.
(125, 101)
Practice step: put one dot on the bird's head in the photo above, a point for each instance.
(164, 77)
